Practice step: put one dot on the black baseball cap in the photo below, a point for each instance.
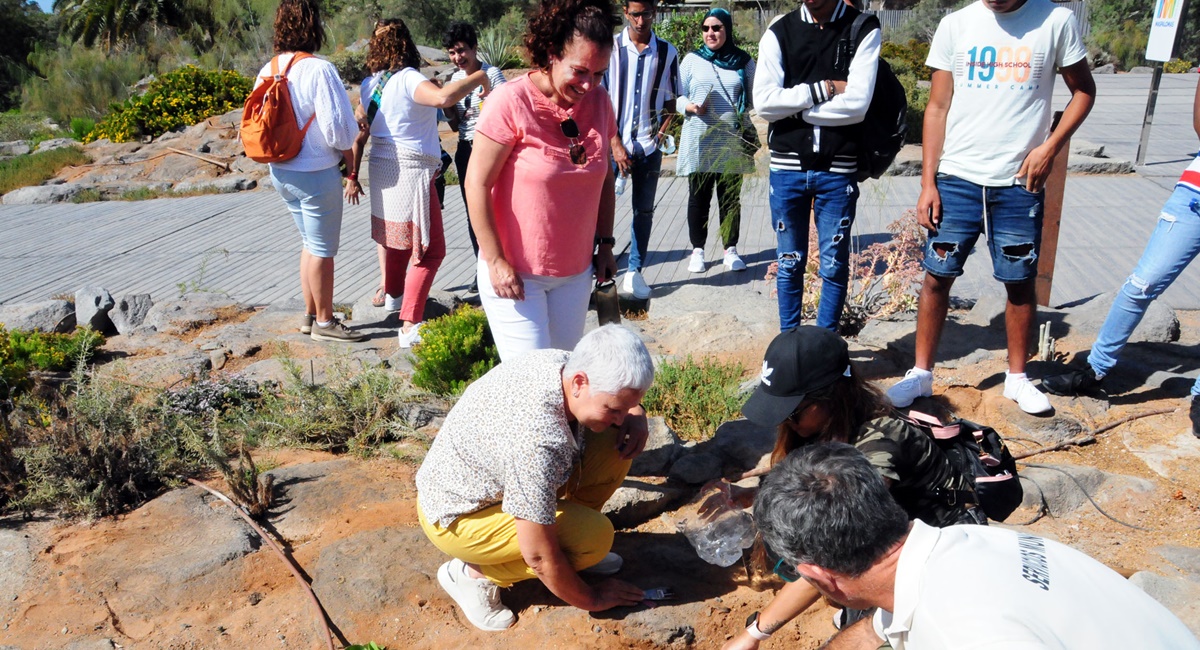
(798, 362)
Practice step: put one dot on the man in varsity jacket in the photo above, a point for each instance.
(642, 79)
(814, 84)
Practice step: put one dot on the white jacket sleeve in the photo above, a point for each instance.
(851, 106)
(772, 101)
(335, 117)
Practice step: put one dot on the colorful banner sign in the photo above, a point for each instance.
(1165, 23)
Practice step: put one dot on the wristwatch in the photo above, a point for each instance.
(611, 241)
(752, 628)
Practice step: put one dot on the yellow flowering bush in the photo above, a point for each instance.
(182, 97)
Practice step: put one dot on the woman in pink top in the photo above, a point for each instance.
(539, 186)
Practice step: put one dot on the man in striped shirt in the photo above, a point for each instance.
(1173, 245)
(642, 77)
(814, 83)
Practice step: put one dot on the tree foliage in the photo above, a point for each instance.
(25, 26)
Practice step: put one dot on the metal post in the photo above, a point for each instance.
(1056, 184)
(1145, 139)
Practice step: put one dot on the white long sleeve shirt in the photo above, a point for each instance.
(316, 88)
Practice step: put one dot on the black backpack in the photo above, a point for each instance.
(881, 133)
(978, 452)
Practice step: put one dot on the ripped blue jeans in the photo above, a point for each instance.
(833, 199)
(1173, 245)
(1010, 217)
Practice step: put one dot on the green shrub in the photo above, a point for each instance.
(182, 97)
(36, 168)
(682, 31)
(18, 125)
(918, 100)
(351, 65)
(908, 58)
(80, 82)
(103, 451)
(500, 50)
(695, 397)
(1177, 66)
(1123, 45)
(454, 351)
(81, 127)
(22, 352)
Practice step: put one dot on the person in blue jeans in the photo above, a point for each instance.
(814, 95)
(986, 152)
(642, 77)
(1173, 245)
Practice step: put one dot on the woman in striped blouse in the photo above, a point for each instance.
(716, 80)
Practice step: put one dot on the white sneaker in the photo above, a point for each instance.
(635, 285)
(916, 383)
(1022, 391)
(696, 261)
(391, 303)
(479, 598)
(412, 336)
(611, 564)
(733, 261)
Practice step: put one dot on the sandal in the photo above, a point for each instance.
(380, 296)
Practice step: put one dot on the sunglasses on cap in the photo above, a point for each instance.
(712, 28)
(571, 131)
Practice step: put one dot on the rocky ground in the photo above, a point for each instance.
(184, 572)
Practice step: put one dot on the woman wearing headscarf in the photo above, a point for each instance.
(717, 79)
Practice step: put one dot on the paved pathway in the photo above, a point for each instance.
(245, 244)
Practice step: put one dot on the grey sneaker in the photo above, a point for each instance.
(611, 564)
(335, 332)
(307, 323)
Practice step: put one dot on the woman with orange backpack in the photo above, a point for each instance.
(300, 121)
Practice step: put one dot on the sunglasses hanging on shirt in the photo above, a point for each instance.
(571, 130)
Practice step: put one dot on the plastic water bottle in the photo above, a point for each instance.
(668, 145)
(622, 181)
(720, 535)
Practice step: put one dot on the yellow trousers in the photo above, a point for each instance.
(487, 538)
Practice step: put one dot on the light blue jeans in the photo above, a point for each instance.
(833, 199)
(1173, 245)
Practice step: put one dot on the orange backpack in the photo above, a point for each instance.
(269, 131)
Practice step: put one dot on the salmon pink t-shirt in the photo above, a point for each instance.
(545, 206)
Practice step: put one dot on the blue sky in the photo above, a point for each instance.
(46, 5)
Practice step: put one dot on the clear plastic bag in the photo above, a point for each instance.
(715, 526)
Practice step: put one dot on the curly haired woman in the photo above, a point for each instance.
(310, 183)
(406, 216)
(539, 186)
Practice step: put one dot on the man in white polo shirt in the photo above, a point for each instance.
(643, 82)
(826, 513)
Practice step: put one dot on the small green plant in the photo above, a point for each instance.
(22, 352)
(369, 646)
(197, 285)
(81, 127)
(451, 176)
(179, 98)
(21, 125)
(454, 351)
(499, 49)
(36, 168)
(695, 397)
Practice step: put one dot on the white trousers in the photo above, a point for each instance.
(552, 314)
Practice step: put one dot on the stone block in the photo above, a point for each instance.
(49, 316)
(697, 468)
(1159, 325)
(37, 194)
(662, 448)
(129, 311)
(92, 305)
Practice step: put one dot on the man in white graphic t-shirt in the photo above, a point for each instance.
(987, 151)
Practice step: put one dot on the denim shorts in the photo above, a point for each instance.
(315, 201)
(1010, 217)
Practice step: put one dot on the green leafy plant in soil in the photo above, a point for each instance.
(695, 397)
(36, 168)
(179, 98)
(22, 352)
(454, 351)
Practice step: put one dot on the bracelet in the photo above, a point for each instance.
(353, 176)
(610, 241)
(753, 631)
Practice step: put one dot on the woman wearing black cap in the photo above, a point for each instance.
(811, 394)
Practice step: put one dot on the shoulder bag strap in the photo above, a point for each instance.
(377, 96)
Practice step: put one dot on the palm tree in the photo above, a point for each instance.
(113, 22)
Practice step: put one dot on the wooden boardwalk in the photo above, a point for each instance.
(246, 245)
